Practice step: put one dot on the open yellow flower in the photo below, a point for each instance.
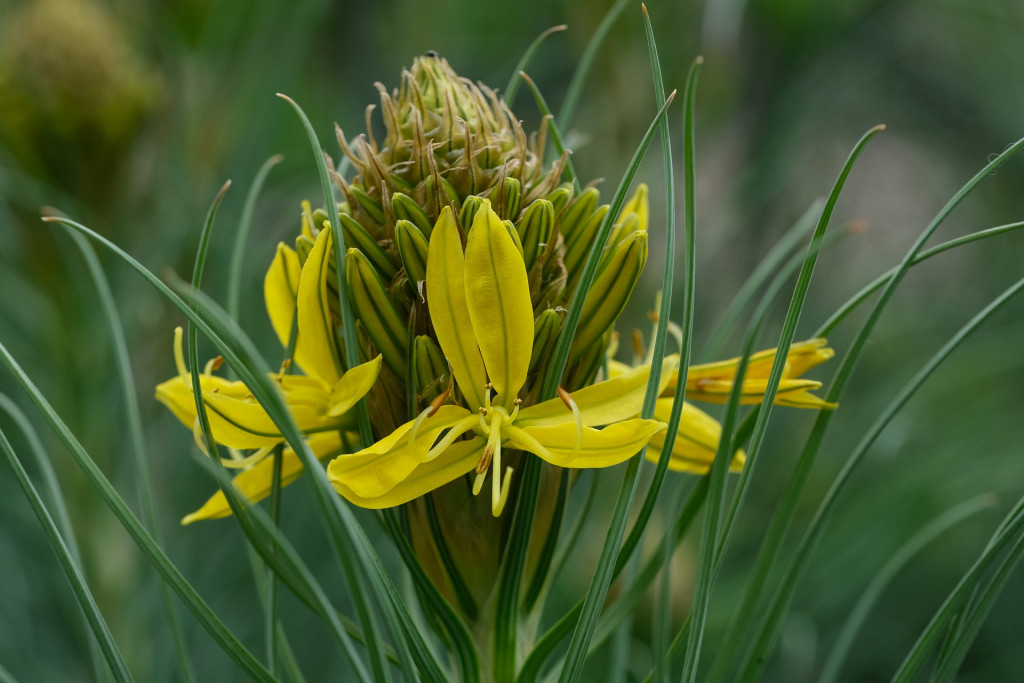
(479, 303)
(319, 401)
(712, 382)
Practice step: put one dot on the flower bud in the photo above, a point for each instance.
(376, 311)
(545, 334)
(412, 250)
(357, 237)
(430, 369)
(536, 229)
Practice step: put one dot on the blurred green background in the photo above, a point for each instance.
(129, 116)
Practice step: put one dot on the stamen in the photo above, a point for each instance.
(179, 355)
(515, 409)
(478, 483)
(485, 460)
(571, 404)
(494, 444)
(483, 422)
(457, 430)
(506, 482)
(637, 338)
(212, 365)
(429, 411)
(239, 463)
(487, 396)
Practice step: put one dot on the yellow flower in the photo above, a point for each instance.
(712, 382)
(319, 401)
(479, 303)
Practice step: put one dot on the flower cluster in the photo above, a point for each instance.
(462, 252)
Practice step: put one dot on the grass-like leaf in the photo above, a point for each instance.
(870, 595)
(233, 300)
(772, 543)
(512, 88)
(579, 77)
(207, 617)
(137, 439)
(69, 566)
(778, 606)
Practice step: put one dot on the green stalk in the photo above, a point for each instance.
(70, 568)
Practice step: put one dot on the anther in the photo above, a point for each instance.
(565, 396)
(638, 343)
(285, 364)
(485, 460)
(439, 401)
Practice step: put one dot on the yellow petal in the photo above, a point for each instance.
(696, 440)
(793, 393)
(498, 296)
(599, 448)
(446, 299)
(280, 289)
(375, 470)
(256, 483)
(457, 460)
(352, 386)
(237, 420)
(316, 348)
(615, 399)
(637, 205)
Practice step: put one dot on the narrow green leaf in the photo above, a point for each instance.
(348, 326)
(601, 581)
(178, 583)
(137, 439)
(575, 89)
(829, 325)
(556, 133)
(777, 608)
(68, 565)
(381, 672)
(780, 523)
(770, 548)
(242, 356)
(896, 562)
(513, 82)
(242, 235)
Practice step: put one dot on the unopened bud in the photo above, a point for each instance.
(412, 250)
(536, 230)
(382, 322)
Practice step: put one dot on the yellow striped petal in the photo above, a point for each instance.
(280, 290)
(449, 313)
(793, 393)
(615, 399)
(255, 483)
(498, 296)
(696, 440)
(458, 459)
(316, 348)
(375, 470)
(599, 447)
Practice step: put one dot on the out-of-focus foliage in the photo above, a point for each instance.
(129, 115)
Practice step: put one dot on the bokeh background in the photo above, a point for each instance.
(129, 116)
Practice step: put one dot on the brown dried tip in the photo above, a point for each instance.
(565, 396)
